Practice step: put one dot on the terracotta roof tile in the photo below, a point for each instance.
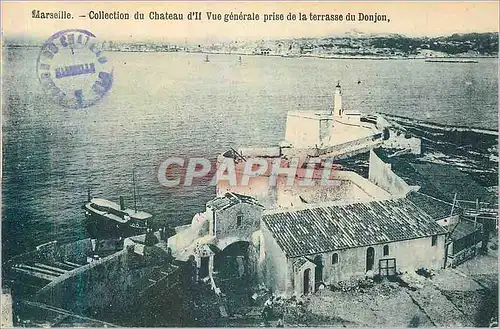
(230, 199)
(438, 209)
(333, 227)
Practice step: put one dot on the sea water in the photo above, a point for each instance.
(176, 104)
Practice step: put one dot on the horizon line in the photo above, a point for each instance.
(348, 34)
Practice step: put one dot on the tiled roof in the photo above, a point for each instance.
(441, 181)
(448, 180)
(325, 228)
(436, 208)
(463, 229)
(229, 200)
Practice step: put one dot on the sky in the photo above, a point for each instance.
(407, 18)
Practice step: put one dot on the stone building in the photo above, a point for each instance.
(335, 131)
(342, 185)
(293, 250)
(234, 223)
(225, 239)
(329, 243)
(447, 195)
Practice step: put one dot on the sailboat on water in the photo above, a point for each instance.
(206, 59)
(104, 217)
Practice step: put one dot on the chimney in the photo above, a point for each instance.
(337, 101)
(122, 203)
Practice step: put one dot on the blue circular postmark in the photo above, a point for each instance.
(73, 69)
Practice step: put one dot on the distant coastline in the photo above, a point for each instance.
(349, 46)
(320, 56)
(361, 57)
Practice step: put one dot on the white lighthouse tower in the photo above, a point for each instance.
(337, 101)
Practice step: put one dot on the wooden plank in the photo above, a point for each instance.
(35, 274)
(72, 264)
(66, 266)
(48, 267)
(40, 270)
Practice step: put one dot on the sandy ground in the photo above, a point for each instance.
(384, 305)
(465, 296)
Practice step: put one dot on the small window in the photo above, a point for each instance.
(335, 258)
(434, 240)
(386, 250)
(239, 218)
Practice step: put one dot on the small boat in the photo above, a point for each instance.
(107, 218)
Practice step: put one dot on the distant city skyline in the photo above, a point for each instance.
(412, 19)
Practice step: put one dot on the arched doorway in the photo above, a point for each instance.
(370, 258)
(234, 272)
(318, 272)
(232, 263)
(307, 280)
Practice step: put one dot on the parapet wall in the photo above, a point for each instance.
(380, 174)
(108, 283)
(350, 146)
(343, 186)
(366, 185)
(75, 252)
